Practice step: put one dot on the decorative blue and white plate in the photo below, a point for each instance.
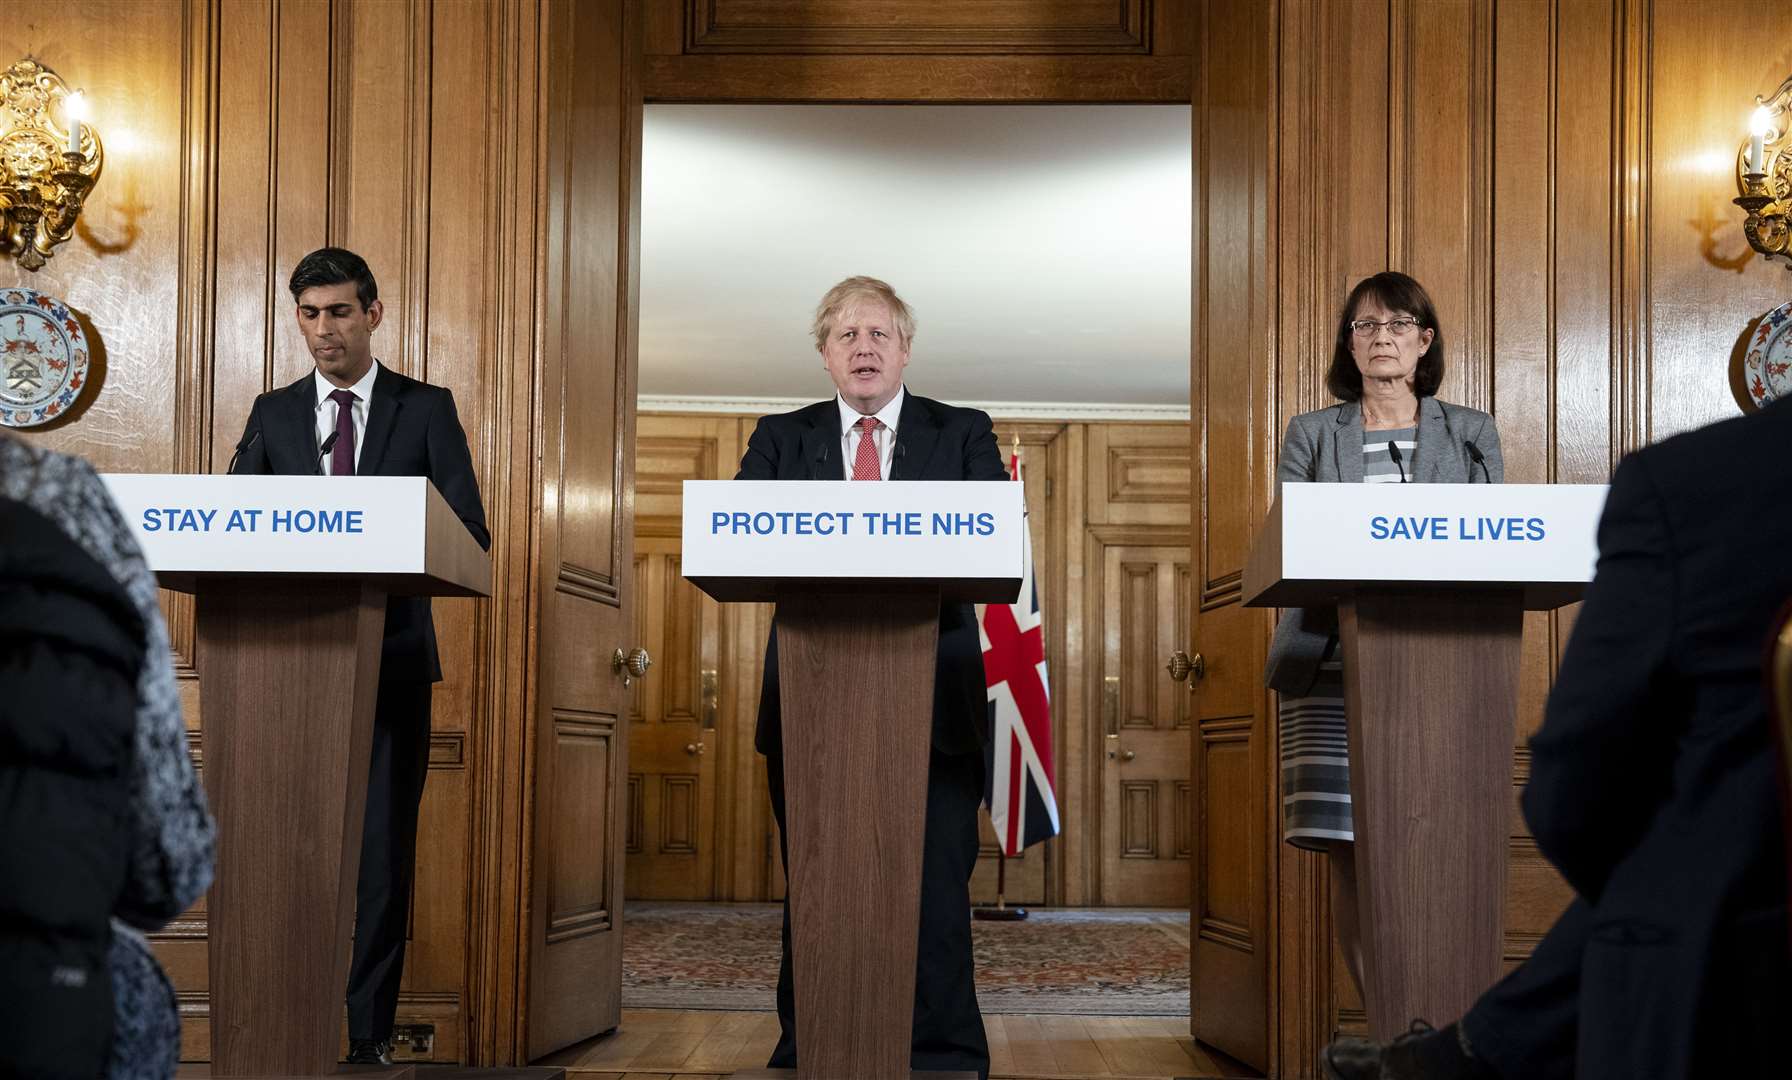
(1767, 369)
(43, 358)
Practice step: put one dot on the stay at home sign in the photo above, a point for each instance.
(284, 524)
(852, 529)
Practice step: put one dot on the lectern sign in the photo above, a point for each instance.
(252, 523)
(397, 529)
(751, 534)
(1531, 535)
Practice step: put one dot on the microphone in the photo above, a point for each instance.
(1394, 452)
(230, 469)
(329, 441)
(1475, 453)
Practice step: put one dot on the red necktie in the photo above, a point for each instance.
(342, 455)
(864, 463)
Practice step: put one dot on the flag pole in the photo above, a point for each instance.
(1002, 912)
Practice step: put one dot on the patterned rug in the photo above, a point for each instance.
(1092, 962)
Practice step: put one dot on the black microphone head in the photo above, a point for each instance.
(329, 441)
(1394, 451)
(1474, 451)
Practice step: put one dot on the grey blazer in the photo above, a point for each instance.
(1326, 446)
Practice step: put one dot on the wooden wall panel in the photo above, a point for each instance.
(984, 51)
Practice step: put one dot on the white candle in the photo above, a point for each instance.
(1757, 132)
(73, 107)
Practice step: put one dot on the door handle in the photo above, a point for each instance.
(1183, 666)
(1127, 755)
(631, 665)
(694, 749)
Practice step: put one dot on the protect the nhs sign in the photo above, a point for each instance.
(846, 529)
(1441, 532)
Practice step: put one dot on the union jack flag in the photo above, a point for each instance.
(1018, 785)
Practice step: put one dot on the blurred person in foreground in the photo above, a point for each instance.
(1653, 790)
(104, 832)
(1389, 428)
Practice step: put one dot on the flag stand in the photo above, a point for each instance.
(1001, 912)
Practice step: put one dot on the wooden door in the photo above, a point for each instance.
(1232, 374)
(586, 584)
(1146, 815)
(672, 731)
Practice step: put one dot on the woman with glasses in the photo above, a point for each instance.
(1389, 428)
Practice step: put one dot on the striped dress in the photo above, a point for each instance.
(1315, 743)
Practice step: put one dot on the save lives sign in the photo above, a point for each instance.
(1441, 532)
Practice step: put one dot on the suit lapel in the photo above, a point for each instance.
(382, 414)
(298, 414)
(1432, 443)
(1348, 443)
(820, 441)
(916, 435)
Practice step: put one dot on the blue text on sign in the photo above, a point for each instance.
(182, 519)
(1471, 529)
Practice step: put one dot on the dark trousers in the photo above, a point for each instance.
(1535, 1023)
(399, 763)
(948, 1027)
(1526, 1026)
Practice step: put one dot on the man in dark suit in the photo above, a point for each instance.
(873, 429)
(1653, 791)
(352, 416)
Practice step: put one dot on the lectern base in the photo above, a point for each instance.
(790, 1074)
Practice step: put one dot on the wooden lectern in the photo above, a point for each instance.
(858, 627)
(1431, 583)
(290, 614)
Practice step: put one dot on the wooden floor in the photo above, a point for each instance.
(664, 1044)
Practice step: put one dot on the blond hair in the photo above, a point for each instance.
(858, 288)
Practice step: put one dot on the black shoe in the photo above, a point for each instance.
(368, 1052)
(1353, 1058)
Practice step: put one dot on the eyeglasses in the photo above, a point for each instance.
(1400, 327)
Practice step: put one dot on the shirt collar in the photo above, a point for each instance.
(362, 390)
(888, 415)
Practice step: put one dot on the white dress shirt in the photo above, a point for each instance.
(883, 437)
(326, 413)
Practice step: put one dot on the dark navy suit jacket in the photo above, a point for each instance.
(934, 441)
(412, 430)
(1653, 785)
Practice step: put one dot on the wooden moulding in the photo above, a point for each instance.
(1431, 681)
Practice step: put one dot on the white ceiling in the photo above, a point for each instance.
(1044, 249)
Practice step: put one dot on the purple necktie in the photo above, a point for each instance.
(342, 455)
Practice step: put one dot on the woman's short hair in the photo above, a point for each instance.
(853, 290)
(1397, 293)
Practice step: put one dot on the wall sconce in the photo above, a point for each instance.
(47, 165)
(1764, 176)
